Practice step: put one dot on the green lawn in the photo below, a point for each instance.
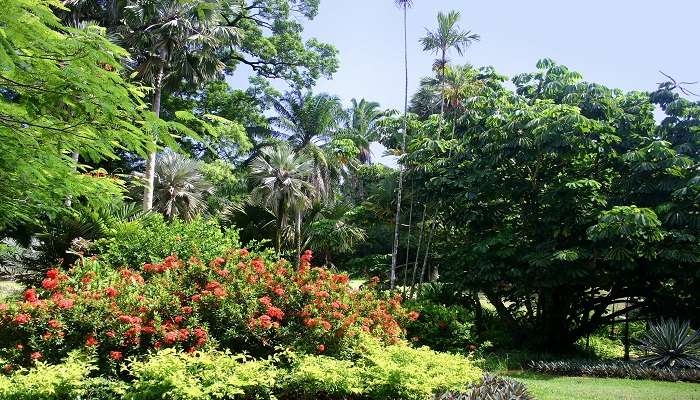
(545, 387)
(9, 289)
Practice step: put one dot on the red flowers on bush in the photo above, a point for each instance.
(256, 306)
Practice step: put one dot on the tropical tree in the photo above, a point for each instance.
(282, 185)
(448, 36)
(180, 187)
(62, 90)
(361, 126)
(334, 232)
(564, 197)
(174, 44)
(310, 121)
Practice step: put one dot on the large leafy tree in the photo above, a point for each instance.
(60, 90)
(361, 126)
(174, 43)
(564, 198)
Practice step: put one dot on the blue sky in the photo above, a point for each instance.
(619, 43)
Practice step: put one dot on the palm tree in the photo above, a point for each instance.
(334, 232)
(173, 43)
(180, 187)
(311, 121)
(448, 36)
(282, 178)
(361, 126)
(404, 5)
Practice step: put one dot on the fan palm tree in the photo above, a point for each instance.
(448, 36)
(333, 231)
(282, 185)
(311, 121)
(173, 43)
(180, 187)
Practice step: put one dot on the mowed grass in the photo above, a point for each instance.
(546, 387)
(9, 290)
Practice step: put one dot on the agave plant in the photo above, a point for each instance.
(671, 343)
(491, 387)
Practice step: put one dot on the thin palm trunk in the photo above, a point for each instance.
(395, 251)
(151, 161)
(298, 235)
(443, 66)
(408, 244)
(427, 253)
(420, 242)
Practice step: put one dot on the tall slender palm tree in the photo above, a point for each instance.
(173, 43)
(180, 187)
(448, 36)
(282, 179)
(404, 5)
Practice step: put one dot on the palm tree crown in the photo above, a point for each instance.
(282, 183)
(361, 126)
(448, 36)
(180, 187)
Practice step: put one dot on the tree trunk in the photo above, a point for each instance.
(420, 242)
(297, 233)
(408, 244)
(442, 91)
(427, 252)
(395, 250)
(76, 157)
(151, 161)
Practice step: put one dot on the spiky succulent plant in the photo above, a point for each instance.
(491, 387)
(670, 344)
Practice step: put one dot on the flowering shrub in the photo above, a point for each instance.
(242, 302)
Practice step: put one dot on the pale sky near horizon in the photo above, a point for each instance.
(618, 43)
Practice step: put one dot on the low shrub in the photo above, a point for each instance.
(492, 387)
(151, 238)
(379, 372)
(242, 302)
(614, 369)
(442, 328)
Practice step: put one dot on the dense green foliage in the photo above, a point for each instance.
(151, 239)
(397, 373)
(60, 92)
(563, 198)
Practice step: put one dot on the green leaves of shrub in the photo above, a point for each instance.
(376, 372)
(151, 239)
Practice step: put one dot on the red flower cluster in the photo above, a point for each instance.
(123, 312)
